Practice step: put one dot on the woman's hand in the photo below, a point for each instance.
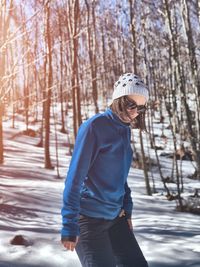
(69, 245)
(122, 213)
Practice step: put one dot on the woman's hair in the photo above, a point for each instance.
(118, 106)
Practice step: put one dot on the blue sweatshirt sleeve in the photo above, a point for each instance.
(127, 203)
(83, 155)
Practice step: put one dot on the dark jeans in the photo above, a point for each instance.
(108, 243)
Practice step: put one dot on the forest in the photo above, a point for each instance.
(69, 54)
(59, 60)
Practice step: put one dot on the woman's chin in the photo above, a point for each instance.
(129, 120)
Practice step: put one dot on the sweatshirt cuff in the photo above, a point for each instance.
(68, 238)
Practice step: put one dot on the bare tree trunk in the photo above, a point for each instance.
(48, 164)
(25, 72)
(42, 86)
(56, 141)
(196, 78)
(36, 75)
(13, 90)
(63, 130)
(4, 26)
(151, 72)
(74, 23)
(182, 89)
(132, 4)
(92, 52)
(197, 7)
(148, 188)
(1, 133)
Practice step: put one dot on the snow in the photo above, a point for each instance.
(31, 199)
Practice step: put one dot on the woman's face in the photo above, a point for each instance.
(134, 112)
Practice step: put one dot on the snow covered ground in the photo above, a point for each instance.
(31, 199)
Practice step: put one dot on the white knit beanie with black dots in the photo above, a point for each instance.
(130, 84)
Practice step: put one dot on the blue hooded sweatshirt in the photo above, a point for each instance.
(96, 182)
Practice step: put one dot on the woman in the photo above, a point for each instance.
(97, 202)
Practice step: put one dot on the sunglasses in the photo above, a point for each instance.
(131, 105)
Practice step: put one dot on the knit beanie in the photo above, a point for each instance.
(130, 84)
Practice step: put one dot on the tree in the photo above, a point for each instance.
(74, 27)
(49, 84)
(4, 27)
(135, 64)
(92, 51)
